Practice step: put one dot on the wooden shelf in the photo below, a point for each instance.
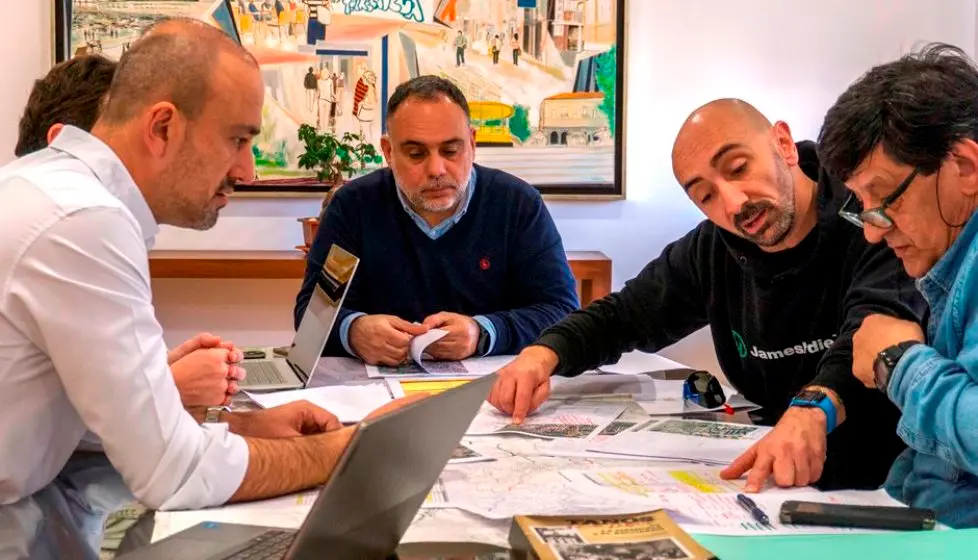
(592, 269)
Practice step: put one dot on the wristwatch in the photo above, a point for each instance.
(213, 414)
(482, 346)
(887, 360)
(810, 398)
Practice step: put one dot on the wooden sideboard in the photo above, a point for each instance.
(592, 269)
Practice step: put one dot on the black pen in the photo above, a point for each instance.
(749, 505)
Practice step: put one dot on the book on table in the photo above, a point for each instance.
(651, 534)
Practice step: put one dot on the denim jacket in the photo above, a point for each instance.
(935, 385)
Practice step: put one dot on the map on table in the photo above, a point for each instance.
(555, 419)
(430, 367)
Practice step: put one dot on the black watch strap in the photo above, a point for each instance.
(482, 346)
(886, 362)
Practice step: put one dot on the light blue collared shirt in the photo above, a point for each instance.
(433, 232)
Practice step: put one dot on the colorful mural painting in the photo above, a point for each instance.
(543, 77)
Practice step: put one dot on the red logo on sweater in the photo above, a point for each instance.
(484, 263)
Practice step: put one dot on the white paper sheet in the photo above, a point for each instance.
(649, 481)
(720, 514)
(555, 419)
(350, 403)
(640, 362)
(286, 512)
(514, 487)
(691, 440)
(421, 342)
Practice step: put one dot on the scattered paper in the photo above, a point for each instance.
(465, 454)
(555, 419)
(690, 440)
(649, 481)
(515, 486)
(720, 514)
(350, 403)
(286, 512)
(640, 362)
(568, 447)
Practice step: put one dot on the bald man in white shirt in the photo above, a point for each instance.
(80, 347)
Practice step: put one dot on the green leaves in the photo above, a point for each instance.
(333, 156)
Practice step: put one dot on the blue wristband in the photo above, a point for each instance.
(817, 399)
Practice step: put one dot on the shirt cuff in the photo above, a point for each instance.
(218, 474)
(906, 374)
(345, 331)
(490, 328)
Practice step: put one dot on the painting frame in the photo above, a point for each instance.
(615, 189)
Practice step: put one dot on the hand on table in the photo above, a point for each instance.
(294, 419)
(524, 384)
(201, 340)
(793, 452)
(383, 339)
(461, 340)
(876, 333)
(208, 376)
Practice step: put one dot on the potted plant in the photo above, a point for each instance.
(335, 158)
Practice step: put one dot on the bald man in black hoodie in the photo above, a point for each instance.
(783, 282)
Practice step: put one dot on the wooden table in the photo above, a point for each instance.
(591, 269)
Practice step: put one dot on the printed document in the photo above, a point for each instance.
(555, 419)
(350, 403)
(689, 440)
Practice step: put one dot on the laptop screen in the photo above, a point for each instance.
(324, 305)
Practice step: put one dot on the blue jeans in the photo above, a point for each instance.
(65, 519)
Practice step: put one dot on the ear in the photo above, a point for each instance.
(386, 147)
(53, 132)
(965, 155)
(784, 143)
(472, 137)
(163, 128)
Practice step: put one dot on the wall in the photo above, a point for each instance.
(791, 59)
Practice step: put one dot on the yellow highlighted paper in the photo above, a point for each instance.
(410, 387)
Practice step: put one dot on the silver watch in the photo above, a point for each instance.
(213, 414)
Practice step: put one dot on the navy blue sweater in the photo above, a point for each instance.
(504, 259)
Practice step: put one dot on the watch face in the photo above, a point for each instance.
(811, 396)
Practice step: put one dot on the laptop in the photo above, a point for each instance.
(296, 369)
(367, 503)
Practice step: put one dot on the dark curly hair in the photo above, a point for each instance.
(916, 107)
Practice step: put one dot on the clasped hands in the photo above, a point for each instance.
(386, 339)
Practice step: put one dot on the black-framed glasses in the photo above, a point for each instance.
(875, 216)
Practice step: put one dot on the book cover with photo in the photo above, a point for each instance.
(642, 536)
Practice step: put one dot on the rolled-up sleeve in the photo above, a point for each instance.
(82, 290)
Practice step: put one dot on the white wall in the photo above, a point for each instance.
(791, 59)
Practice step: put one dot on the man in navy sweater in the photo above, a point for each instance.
(444, 243)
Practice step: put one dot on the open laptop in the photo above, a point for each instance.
(368, 502)
(296, 369)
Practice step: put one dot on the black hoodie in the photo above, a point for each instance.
(780, 322)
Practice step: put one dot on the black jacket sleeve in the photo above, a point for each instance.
(879, 285)
(660, 306)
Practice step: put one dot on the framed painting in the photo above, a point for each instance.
(544, 79)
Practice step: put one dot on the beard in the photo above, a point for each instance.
(186, 205)
(780, 217)
(418, 200)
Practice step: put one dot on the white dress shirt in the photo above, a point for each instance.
(80, 347)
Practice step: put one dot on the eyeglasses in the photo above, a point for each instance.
(703, 389)
(874, 216)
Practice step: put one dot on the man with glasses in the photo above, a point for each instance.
(782, 281)
(904, 137)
